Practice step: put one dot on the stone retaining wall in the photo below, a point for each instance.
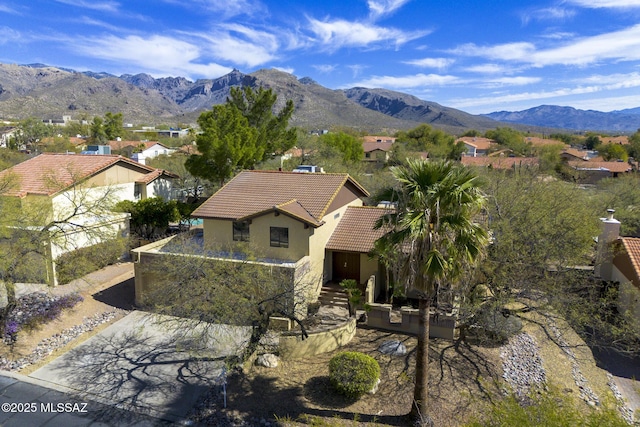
(442, 325)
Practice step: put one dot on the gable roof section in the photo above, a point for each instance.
(152, 176)
(305, 196)
(631, 247)
(600, 166)
(378, 139)
(478, 142)
(372, 146)
(355, 231)
(49, 173)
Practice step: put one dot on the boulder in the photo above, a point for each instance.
(267, 360)
(393, 348)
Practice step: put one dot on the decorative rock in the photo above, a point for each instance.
(267, 360)
(374, 390)
(393, 348)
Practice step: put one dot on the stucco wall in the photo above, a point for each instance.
(292, 346)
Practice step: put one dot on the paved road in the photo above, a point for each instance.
(28, 402)
(148, 364)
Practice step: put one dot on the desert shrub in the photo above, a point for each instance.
(353, 374)
(78, 263)
(39, 308)
(551, 408)
(494, 323)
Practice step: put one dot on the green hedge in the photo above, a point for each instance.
(353, 374)
(78, 263)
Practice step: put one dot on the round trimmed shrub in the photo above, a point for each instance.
(353, 373)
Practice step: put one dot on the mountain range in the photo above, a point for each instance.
(39, 90)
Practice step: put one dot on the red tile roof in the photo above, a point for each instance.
(305, 196)
(152, 176)
(355, 231)
(372, 146)
(50, 173)
(600, 166)
(378, 139)
(478, 142)
(632, 248)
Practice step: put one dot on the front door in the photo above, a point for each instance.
(346, 265)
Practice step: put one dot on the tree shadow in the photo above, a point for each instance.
(153, 371)
(260, 397)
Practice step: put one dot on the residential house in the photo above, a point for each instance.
(313, 224)
(476, 146)
(6, 133)
(377, 148)
(65, 186)
(589, 172)
(139, 151)
(574, 154)
(618, 260)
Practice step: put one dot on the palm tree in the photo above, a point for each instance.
(432, 229)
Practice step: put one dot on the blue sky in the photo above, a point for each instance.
(477, 56)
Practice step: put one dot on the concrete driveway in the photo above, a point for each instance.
(153, 365)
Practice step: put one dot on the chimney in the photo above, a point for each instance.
(610, 228)
(604, 256)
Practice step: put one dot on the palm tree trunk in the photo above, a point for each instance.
(421, 390)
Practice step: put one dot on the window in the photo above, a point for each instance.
(279, 237)
(241, 231)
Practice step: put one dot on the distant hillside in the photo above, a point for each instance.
(38, 90)
(408, 107)
(574, 119)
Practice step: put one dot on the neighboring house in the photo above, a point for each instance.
(590, 172)
(476, 146)
(6, 133)
(571, 154)
(139, 151)
(312, 224)
(65, 185)
(168, 133)
(500, 162)
(618, 260)
(377, 148)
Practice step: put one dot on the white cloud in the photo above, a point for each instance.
(225, 9)
(488, 69)
(517, 51)
(623, 45)
(340, 33)
(405, 82)
(289, 70)
(159, 54)
(6, 9)
(104, 6)
(241, 45)
(439, 63)
(9, 35)
(379, 8)
(513, 81)
(357, 69)
(602, 4)
(548, 14)
(324, 68)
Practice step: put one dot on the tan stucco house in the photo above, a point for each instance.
(81, 188)
(313, 224)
